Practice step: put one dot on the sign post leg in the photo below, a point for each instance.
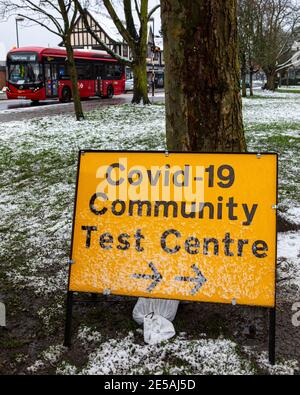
(94, 297)
(68, 327)
(272, 336)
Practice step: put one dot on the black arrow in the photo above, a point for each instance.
(156, 277)
(200, 280)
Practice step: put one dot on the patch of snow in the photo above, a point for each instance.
(125, 356)
(293, 213)
(289, 257)
(289, 245)
(286, 367)
(86, 335)
(48, 357)
(270, 109)
(180, 356)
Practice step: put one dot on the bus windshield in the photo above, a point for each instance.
(25, 73)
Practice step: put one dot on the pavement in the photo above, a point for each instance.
(19, 110)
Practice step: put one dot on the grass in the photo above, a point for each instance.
(297, 91)
(274, 126)
(272, 139)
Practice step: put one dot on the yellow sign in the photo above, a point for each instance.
(187, 226)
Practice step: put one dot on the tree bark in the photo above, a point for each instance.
(244, 73)
(66, 35)
(271, 80)
(139, 69)
(74, 80)
(140, 88)
(203, 102)
(251, 81)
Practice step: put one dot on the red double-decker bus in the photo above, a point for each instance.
(37, 73)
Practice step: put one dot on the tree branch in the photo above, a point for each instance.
(144, 21)
(129, 19)
(153, 11)
(41, 24)
(119, 25)
(37, 9)
(137, 8)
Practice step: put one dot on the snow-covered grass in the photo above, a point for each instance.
(272, 122)
(38, 166)
(126, 356)
(290, 89)
(38, 161)
(289, 258)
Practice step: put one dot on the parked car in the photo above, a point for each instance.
(129, 85)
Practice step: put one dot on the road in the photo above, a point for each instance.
(19, 110)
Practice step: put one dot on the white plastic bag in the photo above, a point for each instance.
(165, 308)
(156, 316)
(157, 329)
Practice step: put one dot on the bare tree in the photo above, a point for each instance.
(274, 27)
(135, 36)
(59, 18)
(203, 103)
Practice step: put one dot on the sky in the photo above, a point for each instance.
(36, 35)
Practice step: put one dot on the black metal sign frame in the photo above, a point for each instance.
(70, 294)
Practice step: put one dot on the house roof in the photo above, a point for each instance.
(107, 24)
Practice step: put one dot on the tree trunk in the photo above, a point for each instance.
(203, 102)
(251, 82)
(140, 89)
(244, 73)
(271, 81)
(244, 86)
(74, 81)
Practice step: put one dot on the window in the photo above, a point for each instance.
(84, 71)
(63, 72)
(110, 72)
(125, 51)
(22, 73)
(113, 72)
(118, 72)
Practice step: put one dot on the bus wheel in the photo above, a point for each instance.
(110, 92)
(35, 102)
(65, 95)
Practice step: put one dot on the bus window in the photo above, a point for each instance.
(99, 71)
(118, 72)
(109, 72)
(22, 73)
(84, 71)
(63, 72)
